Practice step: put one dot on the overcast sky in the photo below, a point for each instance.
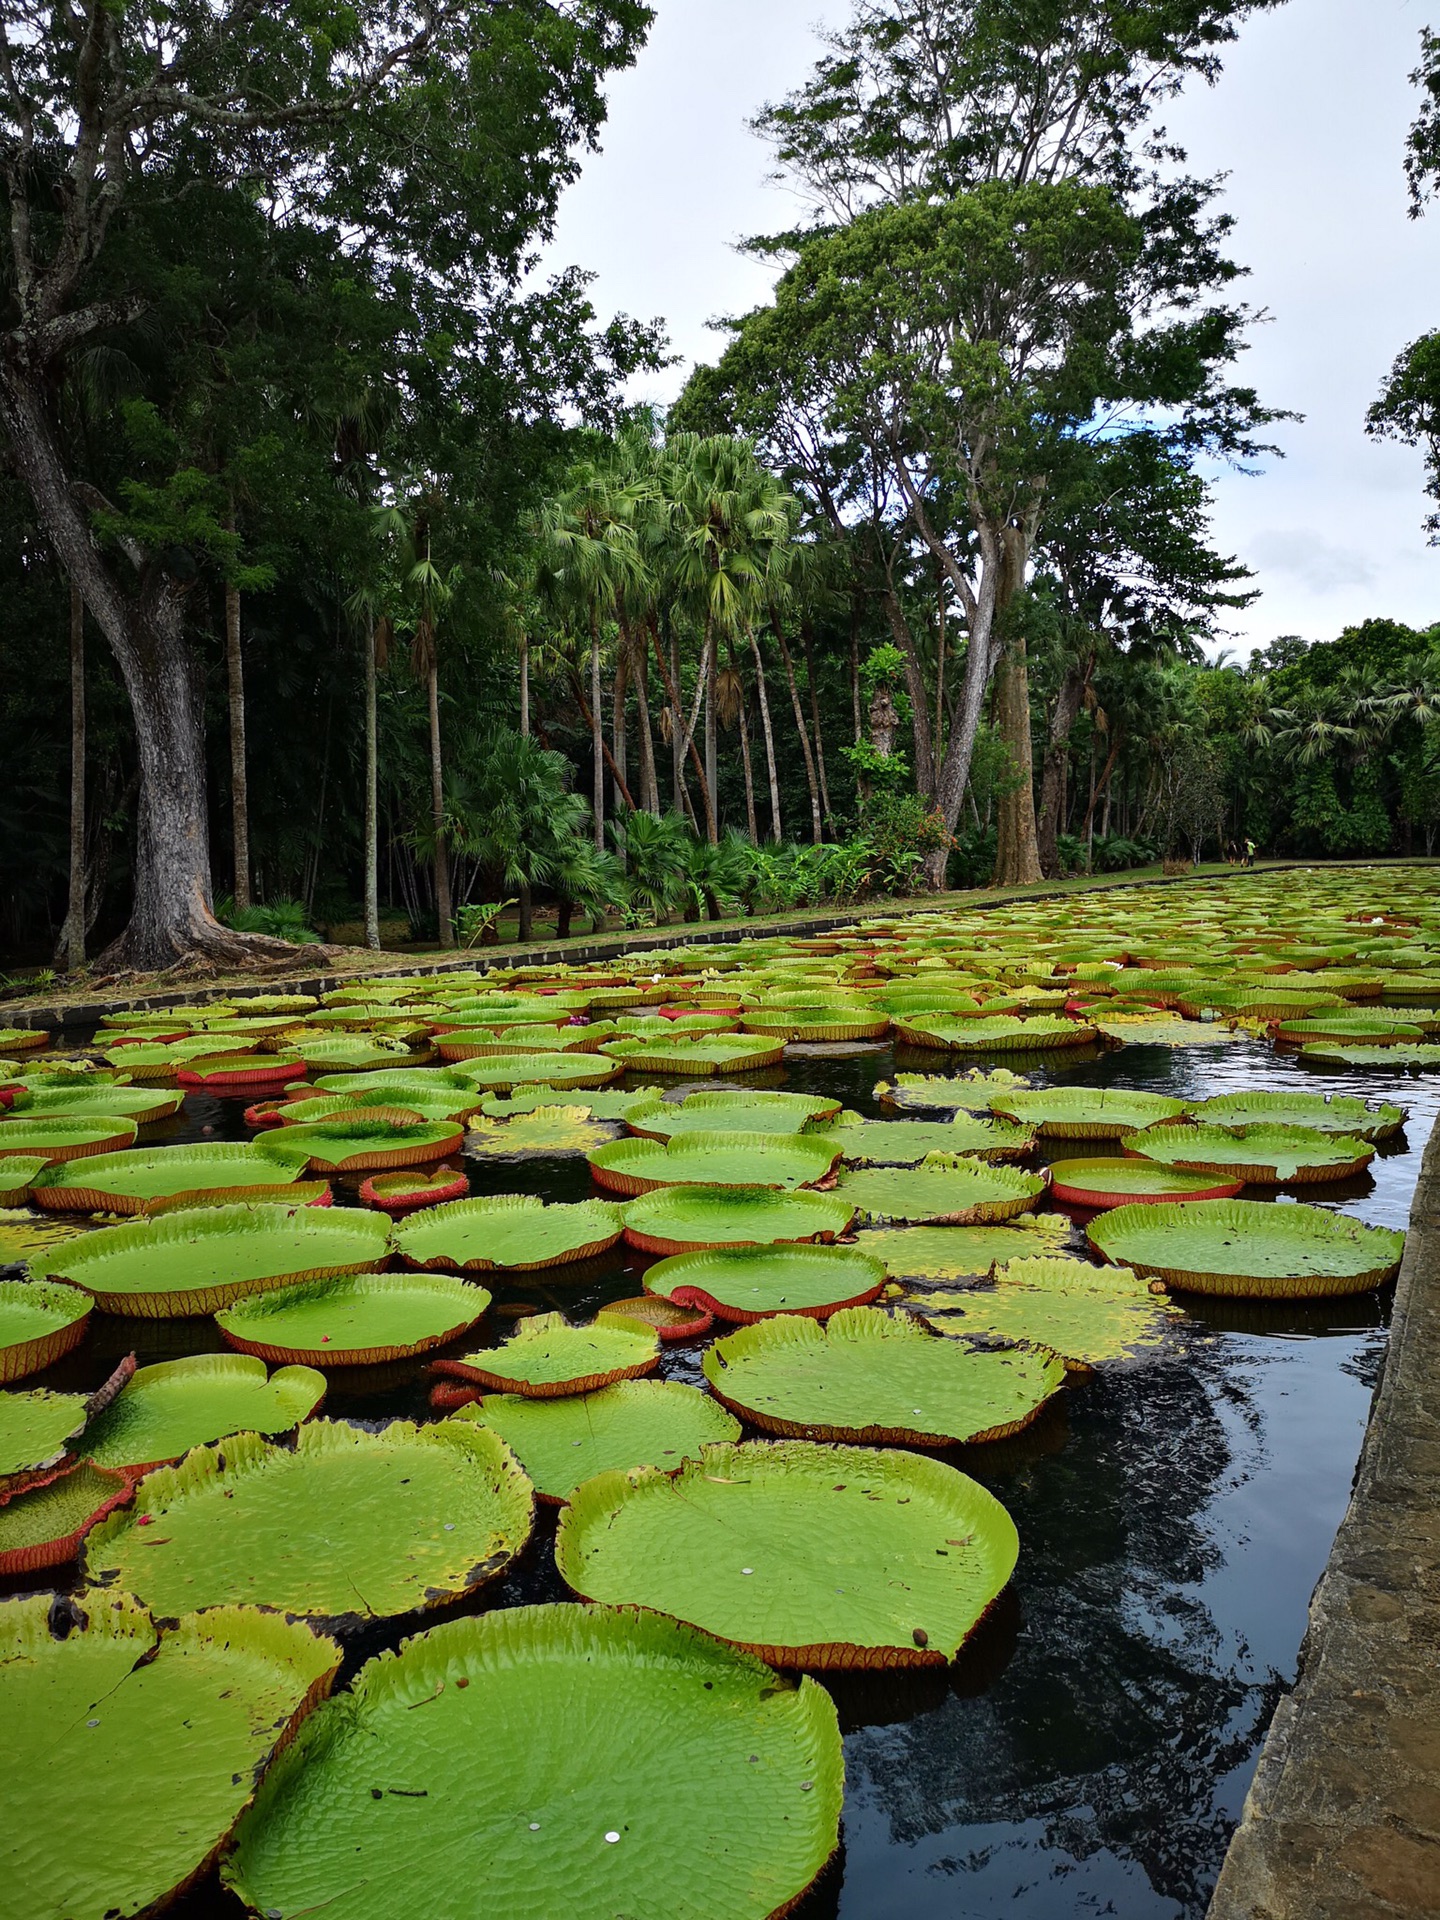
(1308, 122)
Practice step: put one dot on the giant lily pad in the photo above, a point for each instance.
(502, 1073)
(686, 1219)
(685, 1738)
(746, 1284)
(1404, 1057)
(811, 1556)
(394, 1085)
(636, 1423)
(134, 1181)
(547, 1133)
(40, 1322)
(43, 1523)
(515, 1231)
(1160, 1030)
(91, 1700)
(18, 1173)
(1250, 1249)
(956, 1253)
(1261, 1156)
(866, 1378)
(60, 1137)
(943, 1189)
(348, 1526)
(200, 1261)
(1086, 1315)
(1323, 1113)
(363, 1144)
(546, 1358)
(730, 1110)
(35, 1427)
(972, 1092)
(1000, 1033)
(354, 1320)
(715, 1160)
(716, 1053)
(601, 1103)
(905, 1143)
(81, 1100)
(1122, 1183)
(1087, 1113)
(238, 1072)
(178, 1404)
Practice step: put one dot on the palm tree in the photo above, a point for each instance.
(523, 822)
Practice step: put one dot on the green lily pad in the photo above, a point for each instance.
(747, 1284)
(731, 1110)
(40, 1322)
(1323, 1113)
(205, 1259)
(354, 1320)
(955, 1253)
(91, 1721)
(715, 1160)
(546, 1133)
(178, 1404)
(689, 1739)
(601, 1103)
(1120, 1183)
(35, 1426)
(866, 1378)
(560, 1443)
(905, 1143)
(503, 1072)
(680, 1058)
(60, 1137)
(18, 1174)
(972, 1092)
(134, 1180)
(515, 1231)
(347, 1526)
(143, 1105)
(687, 1219)
(943, 1189)
(394, 1085)
(1086, 1315)
(1249, 1249)
(546, 1358)
(43, 1524)
(1161, 1030)
(1261, 1156)
(1000, 1033)
(810, 1556)
(1404, 1057)
(359, 1144)
(1087, 1113)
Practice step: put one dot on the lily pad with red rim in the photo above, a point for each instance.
(547, 1358)
(44, 1522)
(58, 1138)
(516, 1232)
(40, 1322)
(404, 1193)
(166, 1409)
(354, 1320)
(747, 1284)
(1122, 1183)
(1259, 1156)
(787, 1161)
(133, 1181)
(687, 1219)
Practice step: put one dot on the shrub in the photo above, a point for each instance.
(280, 919)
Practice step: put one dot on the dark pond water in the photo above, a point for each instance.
(1090, 1752)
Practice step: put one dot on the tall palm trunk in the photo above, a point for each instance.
(72, 934)
(437, 807)
(525, 685)
(239, 779)
(776, 833)
(677, 714)
(817, 830)
(809, 639)
(743, 722)
(640, 675)
(597, 733)
(372, 793)
(707, 671)
(619, 746)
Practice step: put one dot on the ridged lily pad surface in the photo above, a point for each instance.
(61, 1137)
(1161, 1030)
(91, 1720)
(957, 1253)
(598, 1763)
(543, 1134)
(546, 1358)
(683, 1219)
(874, 1380)
(40, 1322)
(1086, 1314)
(514, 1231)
(202, 1260)
(143, 1105)
(942, 1190)
(601, 1103)
(347, 1526)
(1262, 1156)
(500, 1072)
(1087, 1113)
(1324, 1113)
(1402, 1058)
(717, 1160)
(1000, 1033)
(1250, 1249)
(35, 1426)
(357, 1319)
(811, 1556)
(750, 1283)
(43, 1523)
(724, 1113)
(131, 1181)
(18, 1173)
(357, 1144)
(905, 1143)
(972, 1092)
(1119, 1183)
(167, 1409)
(714, 1053)
(636, 1423)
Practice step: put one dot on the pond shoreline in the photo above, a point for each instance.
(1342, 1821)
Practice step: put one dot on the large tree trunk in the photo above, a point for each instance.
(172, 918)
(707, 676)
(1017, 855)
(918, 696)
(372, 794)
(1053, 776)
(72, 934)
(671, 677)
(683, 737)
(817, 830)
(776, 832)
(597, 735)
(640, 679)
(437, 808)
(619, 747)
(239, 777)
(743, 725)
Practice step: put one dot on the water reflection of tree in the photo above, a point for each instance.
(1123, 1709)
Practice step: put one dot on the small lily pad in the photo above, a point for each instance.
(354, 1320)
(177, 1404)
(546, 1358)
(513, 1231)
(546, 1133)
(943, 1190)
(685, 1219)
(745, 1284)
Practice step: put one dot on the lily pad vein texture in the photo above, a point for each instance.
(1086, 1113)
(131, 1181)
(748, 1284)
(943, 1189)
(35, 1427)
(354, 1320)
(546, 1358)
(518, 1232)
(1262, 1155)
(348, 1526)
(167, 1409)
(961, 1253)
(1087, 1315)
(905, 1143)
(689, 1219)
(1250, 1249)
(807, 1555)
(786, 1161)
(584, 1762)
(92, 1724)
